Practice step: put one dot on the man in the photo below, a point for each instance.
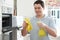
(46, 23)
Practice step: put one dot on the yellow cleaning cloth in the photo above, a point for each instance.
(41, 31)
(29, 28)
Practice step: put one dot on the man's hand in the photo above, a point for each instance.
(25, 25)
(41, 24)
(24, 31)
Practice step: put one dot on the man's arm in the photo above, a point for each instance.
(24, 31)
(51, 31)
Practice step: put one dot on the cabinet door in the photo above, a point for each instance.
(7, 6)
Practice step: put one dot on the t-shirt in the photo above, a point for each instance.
(35, 29)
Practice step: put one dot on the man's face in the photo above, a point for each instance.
(38, 9)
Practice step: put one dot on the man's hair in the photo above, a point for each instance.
(39, 2)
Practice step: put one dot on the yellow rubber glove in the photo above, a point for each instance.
(41, 32)
(29, 28)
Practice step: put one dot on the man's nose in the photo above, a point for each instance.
(37, 9)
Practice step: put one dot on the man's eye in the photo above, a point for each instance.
(35, 8)
(38, 8)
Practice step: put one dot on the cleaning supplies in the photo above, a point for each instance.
(41, 32)
(29, 27)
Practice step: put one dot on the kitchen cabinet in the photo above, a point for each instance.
(7, 36)
(7, 6)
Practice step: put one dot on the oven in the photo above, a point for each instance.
(6, 22)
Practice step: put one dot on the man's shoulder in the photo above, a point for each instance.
(49, 18)
(32, 18)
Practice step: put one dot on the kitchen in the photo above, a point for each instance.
(14, 11)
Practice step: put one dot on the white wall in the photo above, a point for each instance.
(25, 8)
